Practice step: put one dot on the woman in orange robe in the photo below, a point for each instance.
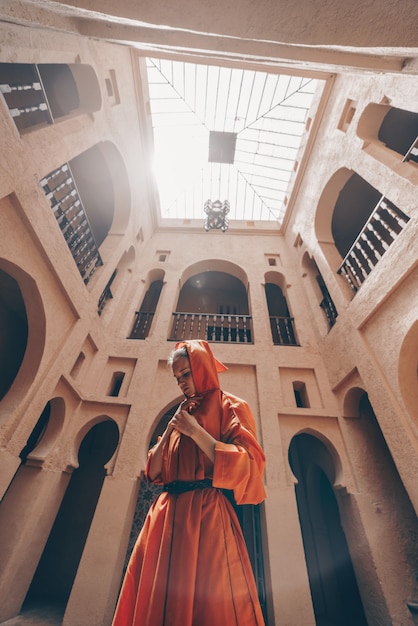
(190, 565)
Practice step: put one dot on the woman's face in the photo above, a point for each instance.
(183, 374)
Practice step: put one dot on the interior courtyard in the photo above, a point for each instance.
(291, 248)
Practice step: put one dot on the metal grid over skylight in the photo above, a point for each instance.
(253, 122)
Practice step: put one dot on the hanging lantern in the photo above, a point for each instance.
(216, 215)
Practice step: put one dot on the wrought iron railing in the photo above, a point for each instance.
(27, 101)
(283, 331)
(211, 327)
(61, 190)
(106, 294)
(328, 306)
(377, 235)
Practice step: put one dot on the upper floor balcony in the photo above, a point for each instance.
(377, 235)
(41, 94)
(61, 190)
(211, 327)
(213, 306)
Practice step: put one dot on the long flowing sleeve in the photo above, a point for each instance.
(239, 459)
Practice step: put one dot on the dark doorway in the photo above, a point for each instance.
(335, 594)
(399, 130)
(13, 331)
(54, 577)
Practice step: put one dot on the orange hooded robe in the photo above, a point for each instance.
(190, 565)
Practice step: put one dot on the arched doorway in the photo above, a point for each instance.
(22, 332)
(13, 330)
(54, 577)
(335, 594)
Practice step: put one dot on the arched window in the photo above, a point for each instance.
(212, 305)
(394, 128)
(85, 196)
(399, 131)
(364, 224)
(281, 322)
(359, 222)
(320, 289)
(144, 317)
(41, 94)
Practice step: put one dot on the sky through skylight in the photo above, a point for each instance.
(268, 113)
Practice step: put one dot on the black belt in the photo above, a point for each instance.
(181, 486)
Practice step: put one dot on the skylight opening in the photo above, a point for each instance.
(226, 134)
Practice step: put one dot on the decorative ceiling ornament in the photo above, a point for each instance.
(216, 215)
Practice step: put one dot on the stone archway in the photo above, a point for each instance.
(213, 304)
(57, 568)
(22, 329)
(335, 594)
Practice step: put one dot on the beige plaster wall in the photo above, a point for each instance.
(327, 33)
(330, 362)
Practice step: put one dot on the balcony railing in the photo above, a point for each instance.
(327, 304)
(377, 235)
(106, 294)
(142, 325)
(211, 327)
(61, 190)
(27, 101)
(282, 331)
(329, 309)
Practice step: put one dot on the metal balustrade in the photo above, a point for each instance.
(61, 191)
(328, 306)
(282, 331)
(106, 294)
(377, 235)
(211, 327)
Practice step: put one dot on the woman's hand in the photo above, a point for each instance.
(184, 422)
(180, 419)
(189, 404)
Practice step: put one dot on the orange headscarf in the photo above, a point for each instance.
(204, 365)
